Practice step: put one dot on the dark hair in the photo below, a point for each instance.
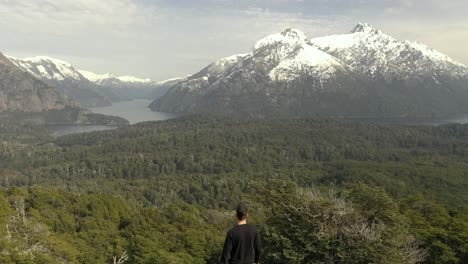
(241, 211)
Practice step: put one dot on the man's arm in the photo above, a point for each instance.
(258, 247)
(226, 255)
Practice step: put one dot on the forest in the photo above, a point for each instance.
(320, 190)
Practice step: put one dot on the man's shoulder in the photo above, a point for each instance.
(237, 228)
(252, 226)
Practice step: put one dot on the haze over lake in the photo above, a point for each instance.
(135, 111)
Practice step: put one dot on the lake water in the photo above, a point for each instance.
(462, 119)
(135, 111)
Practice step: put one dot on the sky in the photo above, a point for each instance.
(162, 39)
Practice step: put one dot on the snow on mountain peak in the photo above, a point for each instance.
(362, 73)
(375, 53)
(96, 77)
(365, 28)
(102, 78)
(44, 67)
(228, 61)
(431, 53)
(132, 79)
(294, 33)
(172, 80)
(309, 59)
(286, 55)
(363, 36)
(289, 37)
(41, 59)
(220, 66)
(290, 54)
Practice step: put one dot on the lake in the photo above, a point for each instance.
(461, 119)
(135, 111)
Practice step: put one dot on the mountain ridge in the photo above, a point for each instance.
(22, 92)
(387, 54)
(362, 73)
(129, 87)
(65, 78)
(102, 78)
(88, 88)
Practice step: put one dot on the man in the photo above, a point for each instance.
(242, 245)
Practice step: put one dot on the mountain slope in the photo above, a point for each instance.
(21, 92)
(162, 87)
(65, 78)
(130, 87)
(283, 75)
(376, 54)
(364, 73)
(408, 78)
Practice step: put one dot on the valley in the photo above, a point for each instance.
(189, 132)
(93, 195)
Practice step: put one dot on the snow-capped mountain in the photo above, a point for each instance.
(43, 67)
(65, 78)
(363, 73)
(293, 57)
(371, 52)
(162, 87)
(131, 79)
(170, 82)
(94, 77)
(22, 92)
(279, 77)
(103, 79)
(130, 87)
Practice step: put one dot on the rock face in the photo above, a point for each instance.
(129, 87)
(65, 78)
(365, 73)
(21, 92)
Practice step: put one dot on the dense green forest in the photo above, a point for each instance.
(321, 191)
(64, 116)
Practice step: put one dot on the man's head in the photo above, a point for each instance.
(242, 212)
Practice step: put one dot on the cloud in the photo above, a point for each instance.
(66, 17)
(435, 9)
(165, 38)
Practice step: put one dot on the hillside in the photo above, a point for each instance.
(20, 91)
(112, 191)
(64, 77)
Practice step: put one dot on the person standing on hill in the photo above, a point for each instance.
(242, 245)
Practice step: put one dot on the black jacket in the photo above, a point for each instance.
(242, 245)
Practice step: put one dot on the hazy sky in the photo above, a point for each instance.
(160, 39)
